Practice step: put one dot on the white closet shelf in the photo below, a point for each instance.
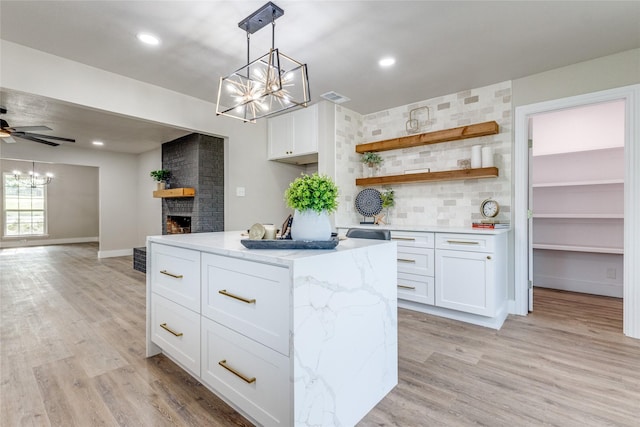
(580, 215)
(594, 249)
(578, 183)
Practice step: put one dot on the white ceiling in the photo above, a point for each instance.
(440, 48)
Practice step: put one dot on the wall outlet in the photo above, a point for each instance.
(611, 273)
(240, 191)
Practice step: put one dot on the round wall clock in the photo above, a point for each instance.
(489, 208)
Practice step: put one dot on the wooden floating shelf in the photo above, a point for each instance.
(463, 132)
(174, 193)
(430, 176)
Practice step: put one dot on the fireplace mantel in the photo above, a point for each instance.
(174, 193)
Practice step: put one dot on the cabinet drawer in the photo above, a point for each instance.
(176, 274)
(254, 377)
(465, 242)
(415, 261)
(413, 239)
(249, 297)
(177, 331)
(416, 288)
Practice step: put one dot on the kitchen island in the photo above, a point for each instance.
(286, 337)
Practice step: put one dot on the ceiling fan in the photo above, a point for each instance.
(7, 133)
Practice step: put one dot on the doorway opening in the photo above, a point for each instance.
(523, 218)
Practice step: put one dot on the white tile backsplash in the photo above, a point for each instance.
(447, 203)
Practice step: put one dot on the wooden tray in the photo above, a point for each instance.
(290, 244)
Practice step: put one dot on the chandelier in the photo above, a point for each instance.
(270, 84)
(33, 180)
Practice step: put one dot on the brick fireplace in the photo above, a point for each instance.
(195, 161)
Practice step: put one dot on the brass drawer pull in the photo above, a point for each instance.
(248, 380)
(462, 242)
(227, 294)
(168, 329)
(406, 287)
(406, 260)
(175, 276)
(411, 239)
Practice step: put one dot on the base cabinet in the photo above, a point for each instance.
(471, 273)
(466, 272)
(464, 281)
(252, 376)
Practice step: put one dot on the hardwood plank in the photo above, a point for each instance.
(566, 364)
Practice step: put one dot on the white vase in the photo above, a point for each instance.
(310, 225)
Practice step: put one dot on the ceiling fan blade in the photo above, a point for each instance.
(9, 140)
(55, 138)
(41, 141)
(28, 128)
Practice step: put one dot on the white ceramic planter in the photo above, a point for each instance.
(310, 225)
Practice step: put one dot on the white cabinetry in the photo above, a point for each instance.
(469, 273)
(415, 266)
(259, 327)
(175, 304)
(245, 335)
(461, 276)
(293, 137)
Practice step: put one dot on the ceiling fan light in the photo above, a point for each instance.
(4, 133)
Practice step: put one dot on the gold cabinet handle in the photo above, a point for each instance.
(407, 260)
(248, 380)
(406, 287)
(462, 242)
(411, 239)
(230, 295)
(168, 329)
(175, 276)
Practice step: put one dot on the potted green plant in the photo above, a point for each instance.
(388, 201)
(372, 161)
(313, 197)
(161, 176)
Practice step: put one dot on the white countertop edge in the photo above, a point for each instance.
(430, 228)
(227, 243)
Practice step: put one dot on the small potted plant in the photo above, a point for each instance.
(161, 176)
(388, 202)
(372, 161)
(313, 197)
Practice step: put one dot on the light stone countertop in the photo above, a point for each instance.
(228, 243)
(429, 228)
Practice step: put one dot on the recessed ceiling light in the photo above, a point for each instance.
(386, 62)
(98, 143)
(148, 39)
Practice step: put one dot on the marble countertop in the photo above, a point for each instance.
(227, 243)
(429, 228)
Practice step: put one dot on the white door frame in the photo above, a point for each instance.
(631, 277)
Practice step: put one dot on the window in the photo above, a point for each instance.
(24, 208)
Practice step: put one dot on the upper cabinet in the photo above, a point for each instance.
(293, 137)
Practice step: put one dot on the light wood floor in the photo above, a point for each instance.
(72, 354)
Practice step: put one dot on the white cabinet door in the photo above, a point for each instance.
(280, 136)
(305, 131)
(249, 297)
(294, 134)
(465, 281)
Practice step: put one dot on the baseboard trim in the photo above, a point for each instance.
(115, 253)
(23, 242)
(577, 285)
(488, 322)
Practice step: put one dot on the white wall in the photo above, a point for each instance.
(245, 144)
(149, 210)
(72, 203)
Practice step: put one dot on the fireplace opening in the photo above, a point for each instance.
(178, 224)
